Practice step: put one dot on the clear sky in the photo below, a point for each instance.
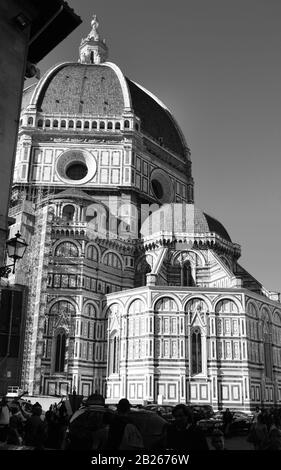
(217, 65)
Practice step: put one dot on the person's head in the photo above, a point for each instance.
(95, 399)
(217, 440)
(37, 409)
(182, 415)
(123, 406)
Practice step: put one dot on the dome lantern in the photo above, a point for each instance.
(93, 49)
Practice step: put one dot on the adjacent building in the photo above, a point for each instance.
(29, 30)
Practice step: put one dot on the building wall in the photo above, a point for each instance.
(12, 59)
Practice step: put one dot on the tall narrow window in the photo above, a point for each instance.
(196, 352)
(60, 353)
(114, 355)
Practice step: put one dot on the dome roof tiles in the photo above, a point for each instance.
(82, 89)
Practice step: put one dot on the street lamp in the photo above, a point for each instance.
(15, 249)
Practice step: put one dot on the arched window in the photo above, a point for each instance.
(186, 275)
(60, 309)
(109, 125)
(70, 124)
(68, 212)
(47, 123)
(63, 123)
(196, 352)
(90, 310)
(111, 259)
(86, 125)
(127, 124)
(78, 125)
(94, 125)
(60, 352)
(226, 306)
(92, 253)
(55, 123)
(166, 304)
(66, 249)
(137, 306)
(40, 123)
(117, 126)
(102, 125)
(30, 121)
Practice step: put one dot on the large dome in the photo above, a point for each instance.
(101, 90)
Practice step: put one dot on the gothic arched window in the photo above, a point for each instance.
(196, 352)
(186, 276)
(68, 212)
(66, 249)
(92, 253)
(111, 259)
(60, 352)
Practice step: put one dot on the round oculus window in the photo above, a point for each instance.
(76, 171)
(76, 166)
(157, 189)
(161, 186)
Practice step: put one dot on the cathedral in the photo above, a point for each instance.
(131, 290)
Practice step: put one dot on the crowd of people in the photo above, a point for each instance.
(22, 423)
(265, 432)
(95, 426)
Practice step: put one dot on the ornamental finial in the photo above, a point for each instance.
(93, 34)
(93, 49)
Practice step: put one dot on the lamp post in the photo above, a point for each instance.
(16, 247)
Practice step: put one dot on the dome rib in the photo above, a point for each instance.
(217, 227)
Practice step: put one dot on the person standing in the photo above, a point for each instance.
(4, 419)
(183, 435)
(258, 434)
(36, 429)
(227, 420)
(123, 434)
